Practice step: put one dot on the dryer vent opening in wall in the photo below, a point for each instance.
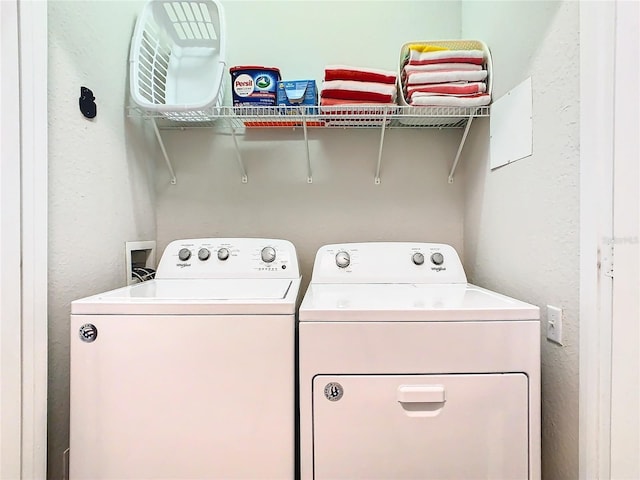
(139, 255)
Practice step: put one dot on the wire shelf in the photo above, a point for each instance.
(240, 119)
(346, 116)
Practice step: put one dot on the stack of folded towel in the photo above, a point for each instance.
(436, 76)
(346, 85)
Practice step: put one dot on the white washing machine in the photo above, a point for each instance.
(190, 375)
(409, 372)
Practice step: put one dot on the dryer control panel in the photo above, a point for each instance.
(388, 262)
(229, 258)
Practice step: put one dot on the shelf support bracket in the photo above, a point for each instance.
(243, 171)
(384, 126)
(464, 138)
(164, 151)
(306, 143)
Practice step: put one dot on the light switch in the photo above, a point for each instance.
(554, 324)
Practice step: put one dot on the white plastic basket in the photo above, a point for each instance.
(177, 59)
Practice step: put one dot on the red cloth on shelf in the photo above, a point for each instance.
(361, 91)
(360, 74)
(448, 88)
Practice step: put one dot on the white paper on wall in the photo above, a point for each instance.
(511, 126)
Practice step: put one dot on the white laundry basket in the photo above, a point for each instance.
(177, 59)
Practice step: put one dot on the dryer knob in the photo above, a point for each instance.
(418, 258)
(184, 254)
(343, 260)
(204, 254)
(268, 254)
(437, 258)
(223, 253)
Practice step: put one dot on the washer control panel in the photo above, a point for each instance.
(229, 258)
(388, 262)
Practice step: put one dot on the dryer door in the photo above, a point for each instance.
(441, 427)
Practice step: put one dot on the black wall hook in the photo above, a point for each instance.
(87, 105)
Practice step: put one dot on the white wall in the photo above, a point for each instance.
(521, 231)
(100, 182)
(414, 200)
(302, 36)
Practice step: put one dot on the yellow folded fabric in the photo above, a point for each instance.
(421, 47)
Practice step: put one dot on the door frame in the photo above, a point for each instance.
(10, 307)
(597, 40)
(601, 125)
(23, 244)
(34, 161)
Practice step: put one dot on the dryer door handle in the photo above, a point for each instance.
(421, 394)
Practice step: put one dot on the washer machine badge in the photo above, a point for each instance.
(333, 391)
(88, 333)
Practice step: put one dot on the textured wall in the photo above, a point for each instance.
(521, 222)
(414, 201)
(100, 183)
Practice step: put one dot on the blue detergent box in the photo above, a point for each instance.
(296, 93)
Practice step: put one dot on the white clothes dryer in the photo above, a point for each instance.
(409, 372)
(190, 375)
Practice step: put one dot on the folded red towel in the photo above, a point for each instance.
(446, 56)
(427, 100)
(419, 78)
(360, 74)
(461, 88)
(363, 91)
(336, 102)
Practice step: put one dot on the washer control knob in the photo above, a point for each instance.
(268, 254)
(437, 258)
(418, 258)
(204, 254)
(184, 254)
(223, 253)
(343, 260)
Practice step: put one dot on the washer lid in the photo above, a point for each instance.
(195, 297)
(410, 302)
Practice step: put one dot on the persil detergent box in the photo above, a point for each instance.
(295, 93)
(254, 86)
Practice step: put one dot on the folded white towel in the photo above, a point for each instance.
(418, 78)
(449, 101)
(446, 56)
(436, 67)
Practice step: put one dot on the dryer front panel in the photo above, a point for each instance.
(441, 427)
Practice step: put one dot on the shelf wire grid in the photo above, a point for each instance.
(347, 116)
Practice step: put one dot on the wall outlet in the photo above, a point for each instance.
(139, 254)
(554, 324)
